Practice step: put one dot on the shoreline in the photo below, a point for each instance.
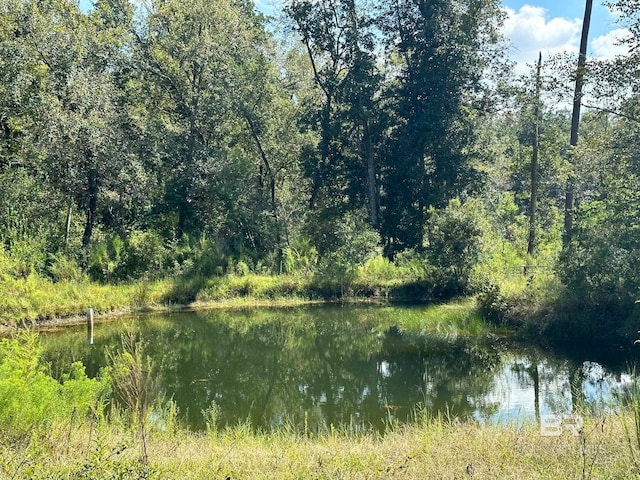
(56, 322)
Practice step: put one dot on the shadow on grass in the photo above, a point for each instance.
(185, 290)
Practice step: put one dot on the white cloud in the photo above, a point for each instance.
(530, 31)
(608, 46)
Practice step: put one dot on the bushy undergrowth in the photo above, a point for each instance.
(66, 291)
(30, 399)
(410, 278)
(540, 307)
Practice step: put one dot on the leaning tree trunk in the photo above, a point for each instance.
(575, 124)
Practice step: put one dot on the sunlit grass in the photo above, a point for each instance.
(34, 298)
(437, 448)
(265, 287)
(458, 317)
(461, 315)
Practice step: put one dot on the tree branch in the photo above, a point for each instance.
(613, 112)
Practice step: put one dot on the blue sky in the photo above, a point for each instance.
(553, 26)
(601, 20)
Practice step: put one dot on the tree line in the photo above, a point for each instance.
(142, 138)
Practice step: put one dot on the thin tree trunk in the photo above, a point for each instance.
(92, 207)
(535, 375)
(67, 228)
(422, 207)
(182, 220)
(325, 145)
(531, 245)
(371, 175)
(569, 203)
(265, 161)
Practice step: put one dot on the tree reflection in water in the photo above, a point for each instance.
(345, 367)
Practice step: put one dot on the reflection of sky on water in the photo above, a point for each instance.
(514, 391)
(317, 368)
(383, 368)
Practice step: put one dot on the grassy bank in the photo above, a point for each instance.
(430, 449)
(539, 307)
(35, 298)
(38, 299)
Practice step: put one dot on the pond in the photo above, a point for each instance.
(345, 367)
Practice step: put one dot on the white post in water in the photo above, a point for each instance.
(90, 326)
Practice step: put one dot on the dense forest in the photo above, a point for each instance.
(143, 140)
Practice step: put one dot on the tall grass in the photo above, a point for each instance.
(35, 298)
(632, 427)
(436, 448)
(60, 440)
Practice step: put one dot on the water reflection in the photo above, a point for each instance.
(323, 367)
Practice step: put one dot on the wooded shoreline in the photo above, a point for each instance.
(539, 314)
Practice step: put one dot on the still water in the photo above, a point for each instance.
(345, 367)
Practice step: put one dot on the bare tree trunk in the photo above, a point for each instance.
(531, 245)
(371, 175)
(92, 207)
(325, 142)
(67, 228)
(271, 176)
(575, 124)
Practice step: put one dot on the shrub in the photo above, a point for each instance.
(352, 242)
(144, 255)
(454, 243)
(105, 258)
(414, 265)
(381, 269)
(493, 306)
(141, 254)
(30, 398)
(28, 255)
(241, 268)
(134, 381)
(201, 257)
(300, 257)
(62, 268)
(600, 267)
(601, 264)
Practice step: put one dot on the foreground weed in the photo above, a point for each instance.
(133, 382)
(591, 446)
(632, 434)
